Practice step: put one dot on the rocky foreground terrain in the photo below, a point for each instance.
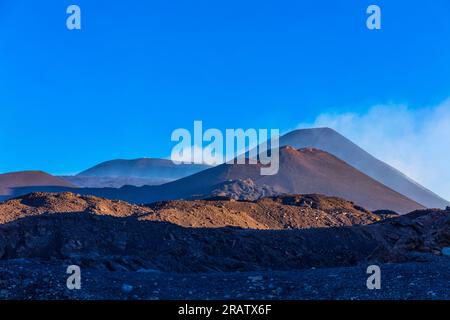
(284, 247)
(278, 212)
(30, 279)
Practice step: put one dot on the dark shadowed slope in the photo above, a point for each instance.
(99, 237)
(331, 141)
(9, 181)
(158, 169)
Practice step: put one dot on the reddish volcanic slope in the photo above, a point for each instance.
(331, 141)
(304, 171)
(9, 181)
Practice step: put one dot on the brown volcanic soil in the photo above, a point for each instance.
(279, 212)
(11, 180)
(101, 237)
(39, 203)
(114, 243)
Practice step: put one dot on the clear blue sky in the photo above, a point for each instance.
(139, 69)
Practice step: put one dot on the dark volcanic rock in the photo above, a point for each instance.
(129, 242)
(116, 243)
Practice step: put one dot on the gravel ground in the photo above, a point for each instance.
(28, 279)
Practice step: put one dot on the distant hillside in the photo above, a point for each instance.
(9, 181)
(144, 168)
(305, 171)
(112, 182)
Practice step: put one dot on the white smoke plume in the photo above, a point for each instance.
(415, 141)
